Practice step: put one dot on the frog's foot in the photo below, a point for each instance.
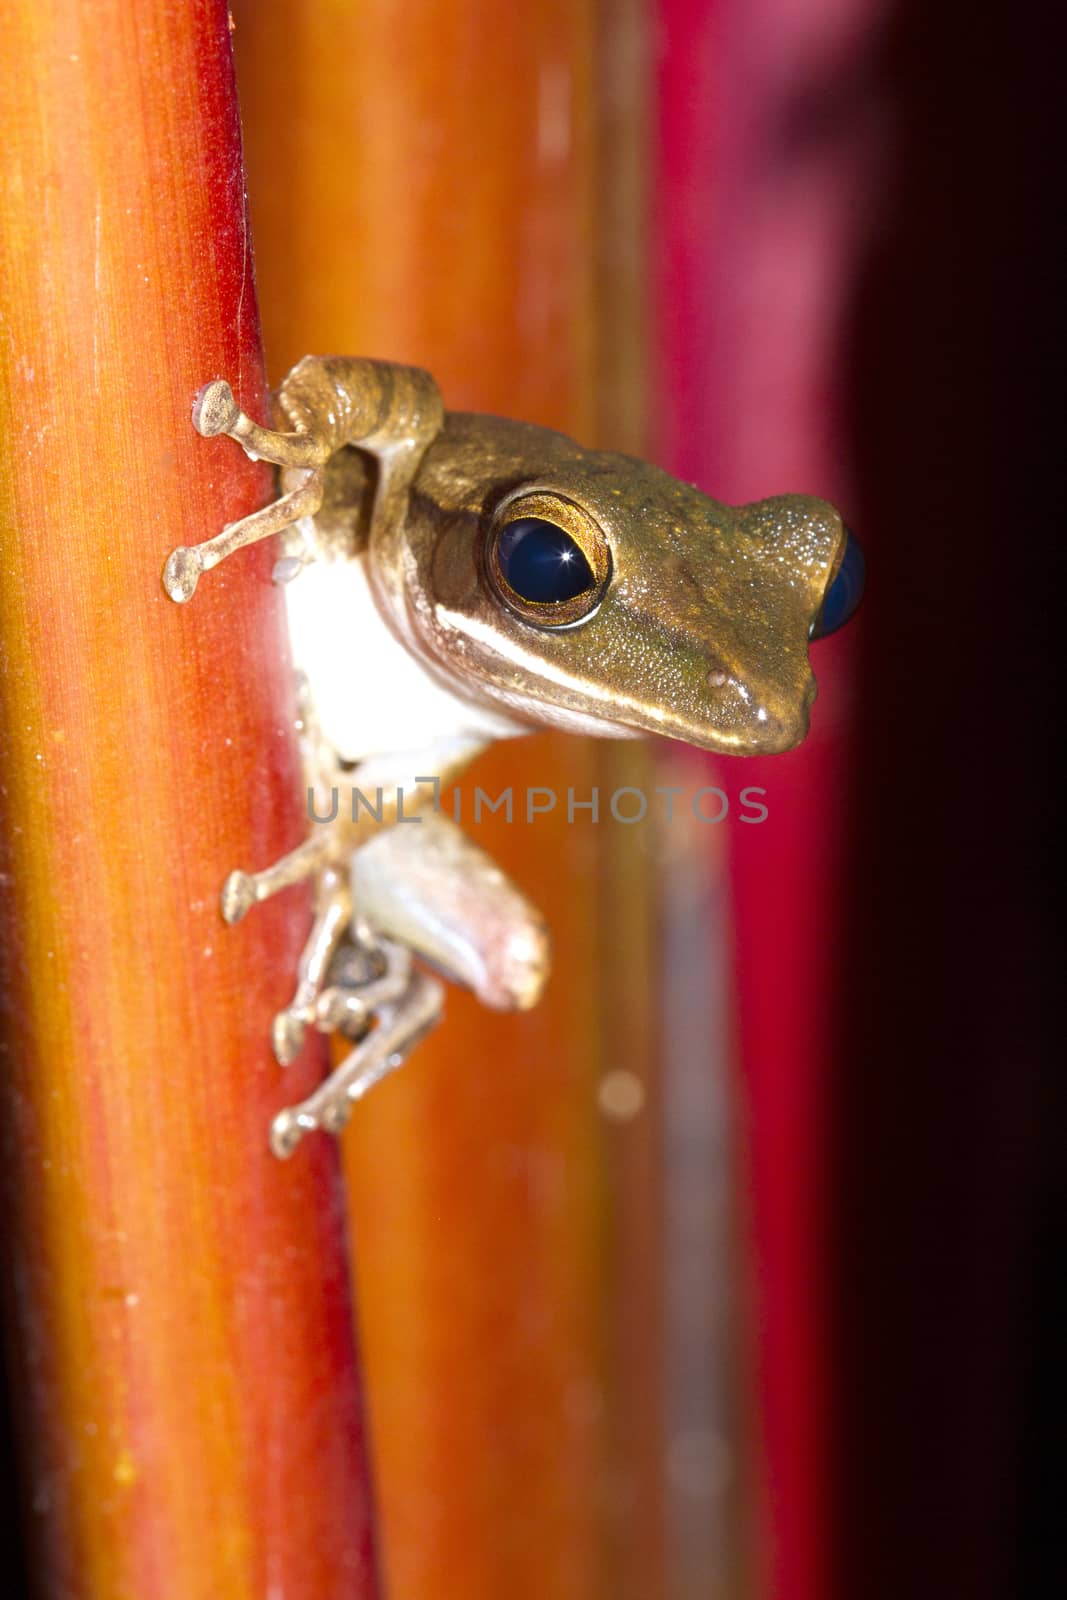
(399, 1027)
(216, 411)
(338, 990)
(243, 890)
(366, 976)
(333, 913)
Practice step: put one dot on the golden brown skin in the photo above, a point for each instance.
(702, 632)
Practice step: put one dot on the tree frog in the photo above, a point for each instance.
(454, 579)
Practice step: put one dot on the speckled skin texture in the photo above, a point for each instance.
(702, 632)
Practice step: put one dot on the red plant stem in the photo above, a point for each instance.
(182, 1350)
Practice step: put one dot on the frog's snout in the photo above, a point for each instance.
(845, 589)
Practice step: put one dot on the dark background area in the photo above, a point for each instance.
(950, 1172)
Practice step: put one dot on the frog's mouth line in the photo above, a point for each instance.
(549, 698)
(762, 733)
(777, 738)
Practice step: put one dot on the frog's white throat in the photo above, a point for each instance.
(371, 695)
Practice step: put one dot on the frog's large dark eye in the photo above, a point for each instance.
(547, 559)
(845, 591)
(541, 562)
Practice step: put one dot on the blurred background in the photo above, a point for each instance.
(726, 1274)
(715, 1276)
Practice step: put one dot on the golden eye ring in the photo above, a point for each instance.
(547, 559)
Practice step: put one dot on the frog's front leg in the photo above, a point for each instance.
(390, 411)
(215, 412)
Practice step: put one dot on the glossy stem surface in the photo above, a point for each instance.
(179, 1329)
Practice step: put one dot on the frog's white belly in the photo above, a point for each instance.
(371, 696)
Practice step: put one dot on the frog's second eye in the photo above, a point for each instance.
(844, 592)
(548, 560)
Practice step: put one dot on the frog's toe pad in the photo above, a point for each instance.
(286, 1132)
(215, 410)
(287, 1037)
(182, 573)
(238, 896)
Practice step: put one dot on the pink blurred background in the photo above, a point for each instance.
(855, 292)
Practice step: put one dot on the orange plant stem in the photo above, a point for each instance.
(180, 1333)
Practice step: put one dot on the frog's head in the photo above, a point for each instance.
(599, 594)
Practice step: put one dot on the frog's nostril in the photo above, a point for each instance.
(845, 591)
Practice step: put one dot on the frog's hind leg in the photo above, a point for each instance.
(333, 915)
(340, 985)
(243, 890)
(398, 1028)
(366, 974)
(435, 891)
